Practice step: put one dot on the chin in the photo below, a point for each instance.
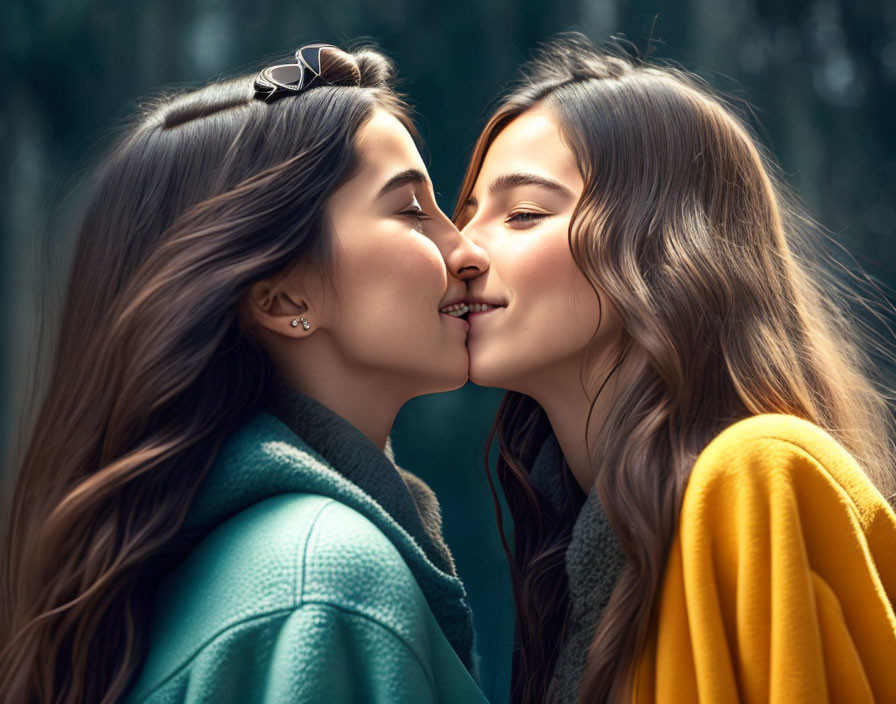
(456, 383)
(450, 375)
(484, 374)
(459, 378)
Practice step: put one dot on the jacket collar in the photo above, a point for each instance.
(405, 497)
(295, 444)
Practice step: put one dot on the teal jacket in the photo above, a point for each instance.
(319, 575)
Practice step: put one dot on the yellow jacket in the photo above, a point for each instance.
(780, 584)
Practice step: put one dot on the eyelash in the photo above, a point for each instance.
(418, 214)
(525, 217)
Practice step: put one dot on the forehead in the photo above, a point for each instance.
(386, 147)
(532, 143)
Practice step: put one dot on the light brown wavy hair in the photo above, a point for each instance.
(686, 227)
(210, 191)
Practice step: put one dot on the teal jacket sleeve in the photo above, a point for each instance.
(326, 654)
(316, 653)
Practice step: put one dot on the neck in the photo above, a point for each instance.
(368, 401)
(567, 404)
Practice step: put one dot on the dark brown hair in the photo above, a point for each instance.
(211, 191)
(685, 227)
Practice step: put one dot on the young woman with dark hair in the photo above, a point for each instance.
(695, 449)
(207, 509)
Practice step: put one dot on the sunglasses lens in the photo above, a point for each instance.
(287, 75)
(310, 56)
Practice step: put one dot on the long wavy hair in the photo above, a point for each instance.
(209, 191)
(686, 227)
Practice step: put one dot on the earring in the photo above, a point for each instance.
(305, 324)
(295, 322)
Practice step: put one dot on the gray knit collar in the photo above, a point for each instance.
(594, 560)
(592, 564)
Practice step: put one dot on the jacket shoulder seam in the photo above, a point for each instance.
(385, 627)
(298, 586)
(287, 612)
(373, 530)
(211, 639)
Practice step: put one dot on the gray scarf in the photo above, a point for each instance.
(594, 560)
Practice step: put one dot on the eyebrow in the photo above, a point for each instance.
(509, 181)
(401, 178)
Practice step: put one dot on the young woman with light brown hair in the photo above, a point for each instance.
(695, 450)
(207, 509)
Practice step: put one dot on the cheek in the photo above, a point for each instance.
(552, 289)
(579, 310)
(424, 269)
(387, 308)
(389, 272)
(551, 319)
(407, 276)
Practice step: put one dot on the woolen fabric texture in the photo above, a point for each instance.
(780, 584)
(594, 559)
(319, 573)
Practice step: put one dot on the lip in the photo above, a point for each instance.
(487, 301)
(495, 306)
(479, 313)
(457, 320)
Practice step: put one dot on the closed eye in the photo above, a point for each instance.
(418, 214)
(524, 218)
(414, 210)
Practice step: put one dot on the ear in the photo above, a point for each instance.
(278, 306)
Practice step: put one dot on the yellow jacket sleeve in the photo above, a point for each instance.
(780, 583)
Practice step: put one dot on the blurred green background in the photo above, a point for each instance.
(821, 77)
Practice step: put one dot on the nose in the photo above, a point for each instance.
(463, 258)
(474, 234)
